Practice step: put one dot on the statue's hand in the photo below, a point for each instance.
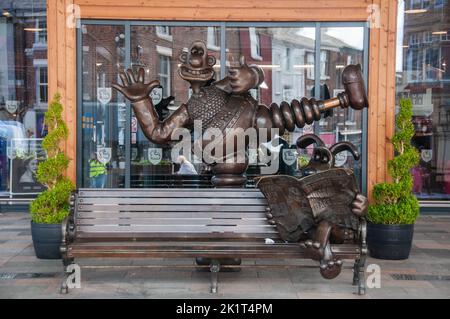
(360, 205)
(134, 88)
(242, 78)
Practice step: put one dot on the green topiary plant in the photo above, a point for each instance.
(52, 205)
(394, 202)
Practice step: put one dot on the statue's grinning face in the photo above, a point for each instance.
(196, 64)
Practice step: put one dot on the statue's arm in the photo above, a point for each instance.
(135, 89)
(159, 132)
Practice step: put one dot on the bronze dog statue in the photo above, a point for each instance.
(322, 207)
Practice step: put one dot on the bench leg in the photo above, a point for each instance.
(355, 273)
(214, 268)
(359, 276)
(64, 288)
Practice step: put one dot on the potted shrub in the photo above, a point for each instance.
(51, 206)
(395, 209)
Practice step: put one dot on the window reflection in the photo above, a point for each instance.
(156, 49)
(287, 58)
(286, 54)
(103, 110)
(422, 75)
(337, 51)
(23, 94)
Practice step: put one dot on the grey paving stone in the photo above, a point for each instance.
(177, 278)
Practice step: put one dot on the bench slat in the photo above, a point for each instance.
(237, 245)
(169, 214)
(252, 251)
(173, 201)
(171, 237)
(171, 194)
(177, 228)
(204, 222)
(186, 244)
(170, 208)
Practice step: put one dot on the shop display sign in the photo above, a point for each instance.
(134, 126)
(12, 106)
(155, 155)
(104, 95)
(308, 129)
(426, 155)
(156, 95)
(289, 156)
(340, 159)
(25, 155)
(104, 155)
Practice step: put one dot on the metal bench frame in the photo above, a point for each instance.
(177, 223)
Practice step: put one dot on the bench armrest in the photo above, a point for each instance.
(68, 225)
(362, 235)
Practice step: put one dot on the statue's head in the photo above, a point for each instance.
(196, 64)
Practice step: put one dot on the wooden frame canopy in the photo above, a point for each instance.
(382, 47)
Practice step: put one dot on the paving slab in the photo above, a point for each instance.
(426, 274)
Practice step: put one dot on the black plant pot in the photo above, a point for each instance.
(46, 240)
(391, 242)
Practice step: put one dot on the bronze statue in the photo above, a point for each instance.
(322, 207)
(227, 104)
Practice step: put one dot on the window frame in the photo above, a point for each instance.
(223, 25)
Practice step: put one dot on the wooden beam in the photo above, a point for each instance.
(222, 14)
(62, 70)
(381, 93)
(227, 10)
(228, 4)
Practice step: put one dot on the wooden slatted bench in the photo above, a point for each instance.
(162, 223)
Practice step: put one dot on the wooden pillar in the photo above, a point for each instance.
(61, 40)
(382, 50)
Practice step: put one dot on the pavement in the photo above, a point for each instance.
(426, 274)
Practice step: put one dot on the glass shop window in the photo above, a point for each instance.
(102, 110)
(422, 76)
(23, 95)
(339, 50)
(152, 165)
(286, 54)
